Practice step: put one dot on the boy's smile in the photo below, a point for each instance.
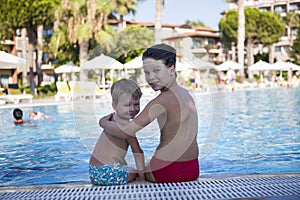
(127, 107)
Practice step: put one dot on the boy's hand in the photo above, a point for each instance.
(141, 175)
(105, 118)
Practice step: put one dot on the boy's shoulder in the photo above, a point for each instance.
(19, 122)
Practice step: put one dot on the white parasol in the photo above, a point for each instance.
(9, 61)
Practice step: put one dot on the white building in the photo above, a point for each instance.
(282, 48)
(189, 41)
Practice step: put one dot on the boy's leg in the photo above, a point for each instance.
(149, 175)
(132, 174)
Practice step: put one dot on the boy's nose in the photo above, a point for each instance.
(131, 108)
(150, 76)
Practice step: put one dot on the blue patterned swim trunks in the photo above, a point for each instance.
(110, 174)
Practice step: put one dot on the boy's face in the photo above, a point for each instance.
(157, 74)
(127, 107)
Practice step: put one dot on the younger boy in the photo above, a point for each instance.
(107, 163)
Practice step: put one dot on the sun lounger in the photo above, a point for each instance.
(15, 95)
(84, 89)
(63, 91)
(2, 97)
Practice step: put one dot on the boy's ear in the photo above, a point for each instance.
(172, 68)
(114, 106)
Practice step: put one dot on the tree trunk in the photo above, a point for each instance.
(241, 37)
(271, 54)
(40, 30)
(32, 45)
(83, 54)
(157, 28)
(291, 39)
(121, 24)
(25, 81)
(92, 6)
(233, 58)
(250, 56)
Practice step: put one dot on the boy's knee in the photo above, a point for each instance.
(131, 177)
(149, 177)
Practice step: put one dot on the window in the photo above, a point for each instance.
(294, 31)
(278, 49)
(265, 9)
(293, 7)
(280, 9)
(47, 32)
(4, 80)
(45, 57)
(197, 44)
(211, 43)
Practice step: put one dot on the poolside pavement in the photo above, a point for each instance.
(253, 187)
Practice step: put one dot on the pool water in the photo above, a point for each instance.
(242, 132)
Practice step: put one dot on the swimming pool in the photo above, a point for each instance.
(250, 132)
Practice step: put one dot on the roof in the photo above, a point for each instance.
(194, 34)
(152, 24)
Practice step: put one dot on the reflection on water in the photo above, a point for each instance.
(261, 133)
(239, 132)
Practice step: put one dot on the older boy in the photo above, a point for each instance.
(176, 157)
(107, 163)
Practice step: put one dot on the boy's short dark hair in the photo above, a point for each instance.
(18, 113)
(162, 52)
(126, 86)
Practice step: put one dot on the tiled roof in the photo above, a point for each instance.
(152, 24)
(194, 34)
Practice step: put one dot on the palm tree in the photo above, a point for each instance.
(77, 21)
(85, 20)
(123, 8)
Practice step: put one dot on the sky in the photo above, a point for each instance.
(178, 11)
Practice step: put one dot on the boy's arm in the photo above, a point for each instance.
(152, 110)
(112, 127)
(138, 156)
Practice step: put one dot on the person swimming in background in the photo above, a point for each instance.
(35, 115)
(18, 115)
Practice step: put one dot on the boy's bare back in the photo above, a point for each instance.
(178, 123)
(109, 149)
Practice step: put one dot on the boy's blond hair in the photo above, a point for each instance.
(126, 86)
